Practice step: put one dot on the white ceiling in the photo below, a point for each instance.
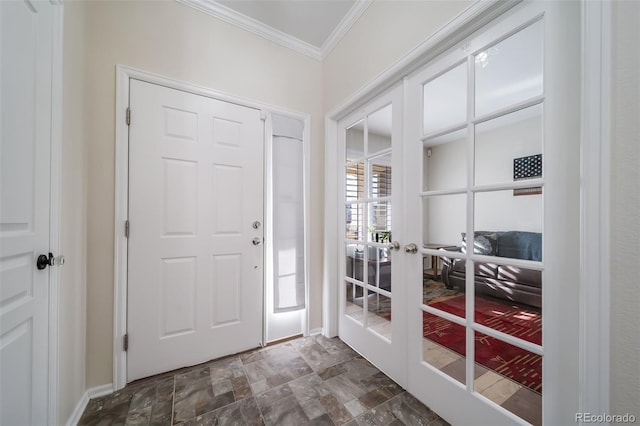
(311, 21)
(310, 27)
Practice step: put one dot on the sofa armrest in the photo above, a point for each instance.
(447, 264)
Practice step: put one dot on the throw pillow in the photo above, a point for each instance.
(484, 242)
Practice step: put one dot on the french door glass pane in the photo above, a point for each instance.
(444, 219)
(380, 175)
(509, 71)
(379, 134)
(380, 268)
(509, 299)
(355, 142)
(379, 313)
(512, 377)
(445, 161)
(445, 100)
(354, 221)
(380, 222)
(442, 280)
(355, 261)
(354, 181)
(443, 345)
(354, 296)
(509, 147)
(508, 224)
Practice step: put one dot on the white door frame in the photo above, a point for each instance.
(595, 177)
(55, 219)
(123, 74)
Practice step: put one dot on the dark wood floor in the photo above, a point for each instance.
(307, 381)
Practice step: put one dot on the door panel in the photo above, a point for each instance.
(25, 123)
(372, 316)
(195, 276)
(483, 210)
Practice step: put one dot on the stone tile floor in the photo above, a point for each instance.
(307, 381)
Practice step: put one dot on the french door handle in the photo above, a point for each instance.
(411, 248)
(43, 261)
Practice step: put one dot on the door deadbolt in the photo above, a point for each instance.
(411, 248)
(256, 224)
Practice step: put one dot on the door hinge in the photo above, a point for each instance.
(126, 228)
(125, 342)
(128, 117)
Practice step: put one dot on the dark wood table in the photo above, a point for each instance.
(433, 271)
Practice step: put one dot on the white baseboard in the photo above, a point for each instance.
(95, 392)
(315, 331)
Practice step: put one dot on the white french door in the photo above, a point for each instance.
(488, 268)
(372, 314)
(195, 257)
(492, 128)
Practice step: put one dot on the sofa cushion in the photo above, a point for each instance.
(484, 242)
(520, 275)
(489, 270)
(520, 245)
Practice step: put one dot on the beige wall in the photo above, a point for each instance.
(386, 32)
(625, 211)
(173, 40)
(71, 357)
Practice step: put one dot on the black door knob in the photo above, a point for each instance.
(44, 261)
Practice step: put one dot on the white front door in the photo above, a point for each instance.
(372, 293)
(24, 210)
(195, 260)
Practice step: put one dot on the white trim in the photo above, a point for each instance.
(261, 29)
(123, 75)
(306, 193)
(120, 241)
(595, 201)
(267, 223)
(315, 332)
(331, 274)
(343, 27)
(55, 198)
(89, 394)
(233, 17)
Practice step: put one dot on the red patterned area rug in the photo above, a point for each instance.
(510, 361)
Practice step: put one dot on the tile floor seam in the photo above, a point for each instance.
(253, 394)
(173, 398)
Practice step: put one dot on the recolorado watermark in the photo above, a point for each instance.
(605, 418)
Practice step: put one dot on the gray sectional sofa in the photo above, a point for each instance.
(519, 285)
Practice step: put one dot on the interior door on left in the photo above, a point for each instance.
(25, 155)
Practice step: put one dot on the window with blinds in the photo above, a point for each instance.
(379, 211)
(380, 181)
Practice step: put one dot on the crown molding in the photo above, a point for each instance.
(224, 13)
(352, 16)
(230, 16)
